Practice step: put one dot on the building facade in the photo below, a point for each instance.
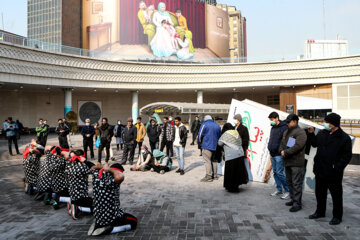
(55, 22)
(237, 33)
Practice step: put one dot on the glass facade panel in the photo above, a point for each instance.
(342, 91)
(354, 90)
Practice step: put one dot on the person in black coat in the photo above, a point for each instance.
(334, 152)
(243, 131)
(153, 131)
(130, 135)
(88, 133)
(106, 133)
(195, 127)
(63, 130)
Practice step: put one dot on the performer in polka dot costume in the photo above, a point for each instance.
(31, 164)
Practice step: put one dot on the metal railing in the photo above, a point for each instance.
(114, 56)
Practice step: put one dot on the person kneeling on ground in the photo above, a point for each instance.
(31, 163)
(77, 171)
(59, 182)
(143, 160)
(161, 163)
(109, 217)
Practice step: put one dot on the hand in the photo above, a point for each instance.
(283, 153)
(310, 129)
(88, 135)
(8, 127)
(61, 130)
(47, 148)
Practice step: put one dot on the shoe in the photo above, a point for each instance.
(91, 229)
(162, 171)
(47, 198)
(276, 193)
(295, 208)
(151, 170)
(131, 163)
(285, 196)
(316, 216)
(55, 204)
(132, 169)
(178, 170)
(68, 208)
(74, 211)
(335, 221)
(182, 172)
(200, 155)
(289, 204)
(102, 231)
(206, 179)
(112, 159)
(216, 177)
(39, 196)
(11, 154)
(18, 153)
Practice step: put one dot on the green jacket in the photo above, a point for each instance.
(41, 130)
(164, 159)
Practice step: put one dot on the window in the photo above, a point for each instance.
(273, 100)
(348, 97)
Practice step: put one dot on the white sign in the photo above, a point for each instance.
(255, 118)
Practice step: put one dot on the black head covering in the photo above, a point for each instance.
(227, 126)
(334, 119)
(117, 165)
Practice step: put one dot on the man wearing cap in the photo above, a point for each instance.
(208, 136)
(130, 135)
(334, 152)
(292, 150)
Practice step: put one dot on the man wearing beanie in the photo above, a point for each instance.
(292, 149)
(209, 135)
(334, 152)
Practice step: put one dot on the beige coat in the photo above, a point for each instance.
(141, 133)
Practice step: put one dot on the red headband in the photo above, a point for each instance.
(102, 170)
(62, 149)
(74, 158)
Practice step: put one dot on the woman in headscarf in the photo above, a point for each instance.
(163, 45)
(235, 172)
(187, 50)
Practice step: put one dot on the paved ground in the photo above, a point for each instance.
(171, 206)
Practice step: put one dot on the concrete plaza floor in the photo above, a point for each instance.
(171, 206)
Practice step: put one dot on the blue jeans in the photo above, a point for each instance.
(180, 156)
(279, 175)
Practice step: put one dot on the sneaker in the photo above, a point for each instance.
(74, 211)
(295, 208)
(182, 172)
(206, 179)
(285, 196)
(178, 170)
(68, 208)
(151, 170)
(55, 204)
(276, 193)
(102, 231)
(47, 198)
(162, 171)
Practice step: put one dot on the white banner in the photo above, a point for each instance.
(255, 118)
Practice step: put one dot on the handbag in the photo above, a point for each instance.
(97, 142)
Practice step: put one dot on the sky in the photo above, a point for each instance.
(274, 27)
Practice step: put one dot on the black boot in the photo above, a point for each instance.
(47, 198)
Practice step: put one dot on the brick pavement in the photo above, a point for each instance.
(171, 206)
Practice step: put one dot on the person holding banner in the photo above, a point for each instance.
(277, 130)
(292, 149)
(334, 152)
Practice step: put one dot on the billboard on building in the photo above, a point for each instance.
(170, 29)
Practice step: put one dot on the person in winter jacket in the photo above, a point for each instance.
(62, 130)
(277, 131)
(118, 133)
(160, 162)
(208, 136)
(180, 143)
(167, 136)
(292, 149)
(141, 133)
(88, 133)
(106, 133)
(195, 126)
(41, 132)
(130, 135)
(10, 127)
(153, 132)
(334, 152)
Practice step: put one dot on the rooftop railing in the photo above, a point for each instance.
(116, 56)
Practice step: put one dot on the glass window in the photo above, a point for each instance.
(354, 90)
(354, 103)
(343, 103)
(342, 91)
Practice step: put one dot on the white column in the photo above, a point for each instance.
(200, 98)
(135, 105)
(68, 101)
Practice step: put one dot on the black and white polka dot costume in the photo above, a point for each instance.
(59, 182)
(107, 211)
(31, 164)
(45, 175)
(77, 175)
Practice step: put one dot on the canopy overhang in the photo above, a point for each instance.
(185, 108)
